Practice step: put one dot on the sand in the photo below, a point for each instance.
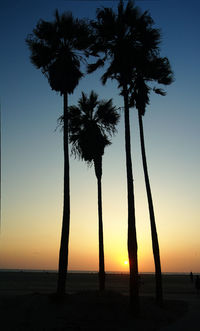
(27, 302)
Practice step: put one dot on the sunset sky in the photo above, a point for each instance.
(32, 152)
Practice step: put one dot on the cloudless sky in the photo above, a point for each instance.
(32, 152)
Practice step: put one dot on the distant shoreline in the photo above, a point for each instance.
(92, 272)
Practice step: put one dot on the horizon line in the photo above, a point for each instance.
(94, 271)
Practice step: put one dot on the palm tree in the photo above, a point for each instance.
(131, 45)
(158, 69)
(56, 49)
(90, 124)
(117, 39)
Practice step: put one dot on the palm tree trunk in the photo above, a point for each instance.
(132, 237)
(98, 172)
(63, 256)
(155, 244)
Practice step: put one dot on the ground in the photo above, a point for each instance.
(28, 302)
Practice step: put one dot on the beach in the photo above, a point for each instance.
(28, 302)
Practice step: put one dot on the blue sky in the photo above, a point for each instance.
(32, 157)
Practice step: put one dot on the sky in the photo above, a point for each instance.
(32, 152)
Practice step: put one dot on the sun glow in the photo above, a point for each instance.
(126, 262)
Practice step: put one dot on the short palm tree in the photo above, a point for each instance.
(56, 48)
(91, 124)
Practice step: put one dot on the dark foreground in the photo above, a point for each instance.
(27, 302)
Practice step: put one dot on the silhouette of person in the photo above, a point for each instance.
(191, 277)
(197, 284)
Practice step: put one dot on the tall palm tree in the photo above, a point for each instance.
(90, 125)
(158, 70)
(131, 44)
(56, 48)
(117, 39)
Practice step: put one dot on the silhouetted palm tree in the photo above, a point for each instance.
(131, 45)
(90, 124)
(158, 69)
(117, 38)
(56, 50)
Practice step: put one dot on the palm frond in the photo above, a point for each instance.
(94, 66)
(159, 91)
(159, 69)
(107, 116)
(87, 105)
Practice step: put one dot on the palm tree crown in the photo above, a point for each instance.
(120, 38)
(56, 50)
(90, 124)
(156, 69)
